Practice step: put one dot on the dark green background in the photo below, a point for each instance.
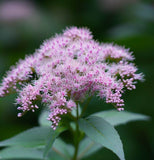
(129, 23)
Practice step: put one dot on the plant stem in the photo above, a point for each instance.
(86, 105)
(77, 135)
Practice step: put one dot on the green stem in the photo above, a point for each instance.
(77, 135)
(86, 105)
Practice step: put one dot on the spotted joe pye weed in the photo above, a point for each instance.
(68, 68)
(65, 73)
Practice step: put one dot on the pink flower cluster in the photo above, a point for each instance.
(66, 69)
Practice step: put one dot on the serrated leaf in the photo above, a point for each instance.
(20, 152)
(88, 147)
(33, 137)
(43, 119)
(101, 132)
(117, 118)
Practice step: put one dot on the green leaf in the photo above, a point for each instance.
(54, 156)
(51, 139)
(116, 118)
(21, 152)
(101, 132)
(33, 137)
(63, 149)
(43, 119)
(88, 147)
(27, 153)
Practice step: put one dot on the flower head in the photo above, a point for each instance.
(66, 69)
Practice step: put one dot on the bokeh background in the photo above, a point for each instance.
(24, 25)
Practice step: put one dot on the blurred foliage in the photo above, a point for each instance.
(129, 24)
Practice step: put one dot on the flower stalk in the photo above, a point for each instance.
(76, 134)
